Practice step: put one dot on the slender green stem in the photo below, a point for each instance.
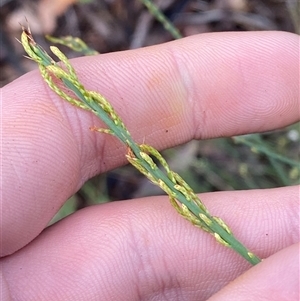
(257, 146)
(125, 137)
(157, 13)
(182, 197)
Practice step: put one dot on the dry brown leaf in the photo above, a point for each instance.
(42, 18)
(50, 10)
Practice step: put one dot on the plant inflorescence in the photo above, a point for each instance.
(182, 197)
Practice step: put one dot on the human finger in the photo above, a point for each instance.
(275, 279)
(142, 249)
(199, 87)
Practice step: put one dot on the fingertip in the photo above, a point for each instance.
(274, 279)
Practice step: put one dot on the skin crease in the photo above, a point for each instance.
(204, 86)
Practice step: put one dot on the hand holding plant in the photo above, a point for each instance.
(186, 250)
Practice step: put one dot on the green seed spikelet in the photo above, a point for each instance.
(62, 76)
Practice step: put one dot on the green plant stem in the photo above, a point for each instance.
(126, 138)
(257, 146)
(157, 13)
(182, 197)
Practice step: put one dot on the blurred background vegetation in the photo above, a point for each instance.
(252, 161)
